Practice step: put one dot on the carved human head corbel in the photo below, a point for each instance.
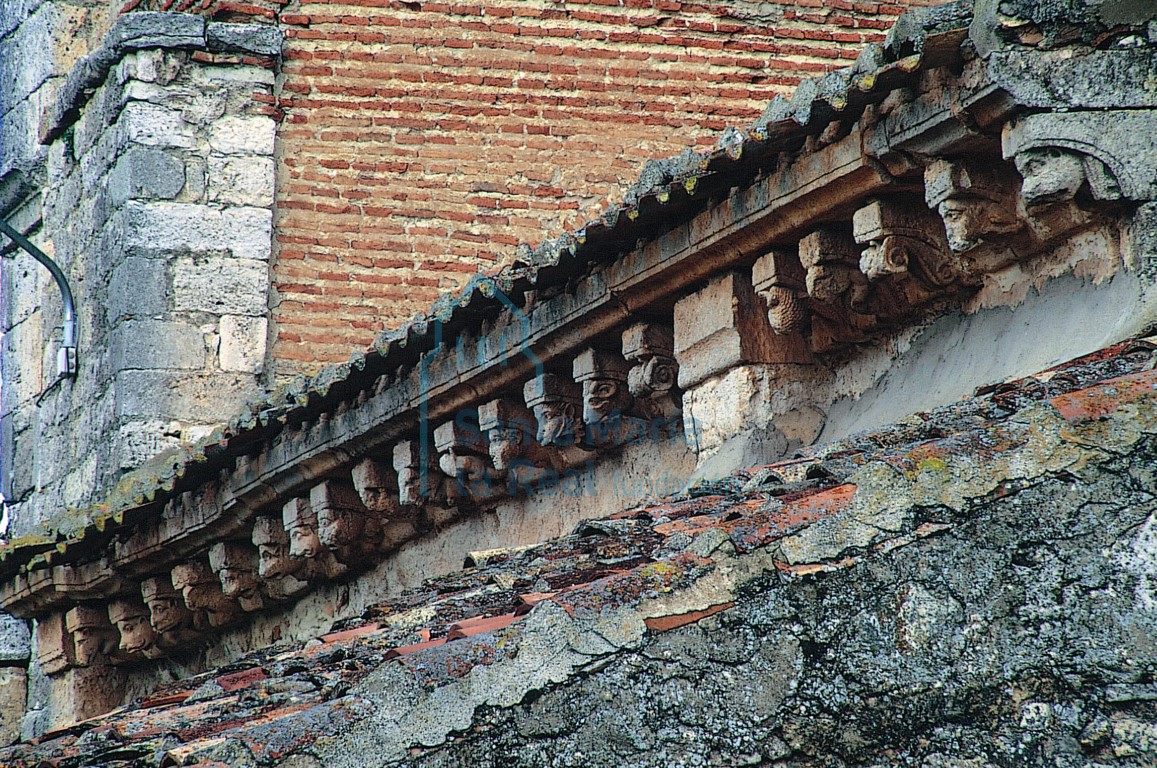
(203, 596)
(377, 485)
(235, 564)
(976, 200)
(133, 623)
(300, 522)
(781, 281)
(557, 405)
(277, 568)
(420, 481)
(609, 411)
(171, 620)
(345, 527)
(95, 640)
(464, 456)
(832, 273)
(903, 236)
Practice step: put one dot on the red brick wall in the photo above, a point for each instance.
(424, 140)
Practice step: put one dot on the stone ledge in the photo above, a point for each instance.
(150, 30)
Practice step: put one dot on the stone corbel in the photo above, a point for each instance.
(300, 523)
(977, 201)
(556, 402)
(278, 570)
(377, 486)
(838, 292)
(172, 622)
(95, 640)
(199, 586)
(901, 238)
(611, 418)
(55, 651)
(654, 375)
(1072, 163)
(516, 455)
(235, 564)
(421, 483)
(780, 281)
(344, 526)
(464, 456)
(137, 638)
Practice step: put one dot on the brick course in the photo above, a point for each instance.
(421, 141)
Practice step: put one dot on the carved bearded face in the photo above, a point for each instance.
(557, 424)
(785, 309)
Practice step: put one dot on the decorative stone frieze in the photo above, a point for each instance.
(235, 564)
(172, 621)
(277, 568)
(203, 596)
(95, 640)
(138, 640)
(344, 526)
(300, 522)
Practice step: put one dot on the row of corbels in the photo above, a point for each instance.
(499, 449)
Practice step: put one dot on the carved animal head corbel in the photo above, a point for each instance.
(654, 375)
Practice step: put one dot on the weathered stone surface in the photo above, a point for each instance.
(243, 343)
(1058, 79)
(157, 344)
(15, 640)
(244, 232)
(145, 174)
(182, 396)
(251, 135)
(13, 696)
(221, 286)
(241, 180)
(155, 126)
(258, 39)
(156, 30)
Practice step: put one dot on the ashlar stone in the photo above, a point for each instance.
(249, 135)
(243, 341)
(241, 180)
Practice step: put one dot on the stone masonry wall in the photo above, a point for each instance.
(158, 206)
(423, 141)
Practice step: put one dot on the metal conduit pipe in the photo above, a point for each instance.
(66, 356)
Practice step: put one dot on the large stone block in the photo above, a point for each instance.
(243, 135)
(198, 398)
(246, 233)
(722, 326)
(156, 30)
(241, 180)
(157, 344)
(243, 341)
(147, 174)
(13, 696)
(221, 286)
(258, 39)
(154, 125)
(15, 640)
(138, 287)
(139, 441)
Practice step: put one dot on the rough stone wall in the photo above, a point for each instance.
(423, 141)
(158, 207)
(1024, 635)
